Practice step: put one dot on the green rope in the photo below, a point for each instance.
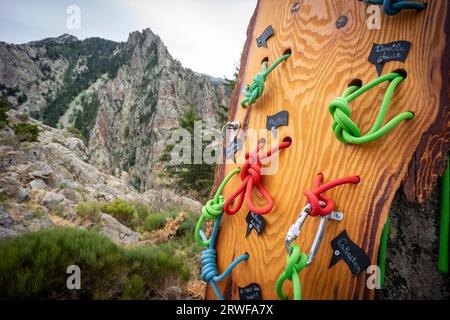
(382, 251)
(343, 126)
(296, 262)
(213, 208)
(444, 223)
(257, 88)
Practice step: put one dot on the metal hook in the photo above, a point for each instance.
(295, 229)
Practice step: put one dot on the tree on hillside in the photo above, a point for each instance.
(190, 178)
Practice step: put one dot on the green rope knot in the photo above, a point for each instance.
(296, 262)
(256, 89)
(348, 131)
(212, 209)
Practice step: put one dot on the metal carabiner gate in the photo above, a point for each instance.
(295, 229)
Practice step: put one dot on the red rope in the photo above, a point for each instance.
(315, 195)
(251, 177)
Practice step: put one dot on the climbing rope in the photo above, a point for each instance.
(392, 7)
(209, 271)
(214, 210)
(343, 126)
(296, 262)
(318, 205)
(444, 223)
(250, 175)
(253, 92)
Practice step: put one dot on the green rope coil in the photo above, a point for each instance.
(444, 223)
(346, 130)
(213, 208)
(253, 92)
(296, 262)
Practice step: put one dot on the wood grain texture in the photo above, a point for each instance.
(323, 61)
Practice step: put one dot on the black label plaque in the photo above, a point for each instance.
(254, 221)
(345, 249)
(277, 120)
(232, 148)
(250, 292)
(261, 41)
(392, 51)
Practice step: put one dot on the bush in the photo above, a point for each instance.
(4, 107)
(154, 221)
(133, 288)
(75, 132)
(34, 265)
(89, 209)
(26, 131)
(121, 210)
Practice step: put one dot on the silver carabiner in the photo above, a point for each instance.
(295, 229)
(234, 125)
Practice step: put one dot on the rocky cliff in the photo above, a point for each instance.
(123, 97)
(42, 182)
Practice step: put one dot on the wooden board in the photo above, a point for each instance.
(324, 59)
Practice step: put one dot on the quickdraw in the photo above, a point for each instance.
(253, 92)
(346, 130)
(318, 205)
(214, 210)
(250, 175)
(392, 7)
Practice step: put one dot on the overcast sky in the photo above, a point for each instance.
(205, 35)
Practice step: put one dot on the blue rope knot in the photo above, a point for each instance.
(255, 90)
(340, 111)
(209, 266)
(392, 7)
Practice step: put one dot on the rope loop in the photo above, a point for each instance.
(255, 90)
(348, 131)
(250, 175)
(315, 196)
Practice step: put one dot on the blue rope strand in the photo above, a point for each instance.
(209, 271)
(392, 7)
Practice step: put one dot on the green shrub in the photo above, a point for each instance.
(121, 210)
(90, 209)
(4, 107)
(154, 221)
(34, 265)
(26, 131)
(133, 288)
(75, 132)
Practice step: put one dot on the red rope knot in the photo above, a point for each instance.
(315, 195)
(251, 177)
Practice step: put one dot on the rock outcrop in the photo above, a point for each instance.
(42, 182)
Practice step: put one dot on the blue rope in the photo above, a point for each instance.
(392, 7)
(209, 271)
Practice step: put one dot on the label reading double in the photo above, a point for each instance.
(392, 51)
(254, 221)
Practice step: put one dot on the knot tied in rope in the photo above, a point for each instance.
(392, 7)
(250, 175)
(318, 205)
(209, 272)
(346, 130)
(213, 209)
(296, 262)
(315, 196)
(256, 89)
